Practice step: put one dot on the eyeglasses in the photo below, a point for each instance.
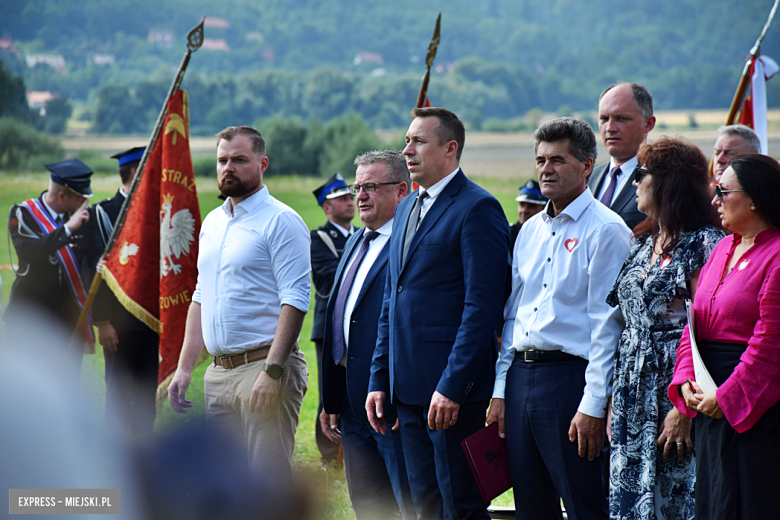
(720, 191)
(640, 174)
(369, 187)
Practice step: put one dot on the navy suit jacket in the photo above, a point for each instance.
(336, 380)
(323, 269)
(437, 327)
(624, 203)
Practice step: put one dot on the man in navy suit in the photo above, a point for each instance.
(374, 463)
(625, 119)
(436, 342)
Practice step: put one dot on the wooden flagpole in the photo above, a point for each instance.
(194, 41)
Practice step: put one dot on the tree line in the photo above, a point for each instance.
(294, 58)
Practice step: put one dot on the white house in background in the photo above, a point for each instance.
(56, 61)
(7, 44)
(37, 99)
(216, 23)
(102, 59)
(368, 57)
(216, 44)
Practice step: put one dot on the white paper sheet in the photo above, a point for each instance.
(703, 377)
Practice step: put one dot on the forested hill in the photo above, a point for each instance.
(507, 55)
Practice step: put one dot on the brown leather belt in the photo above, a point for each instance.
(242, 359)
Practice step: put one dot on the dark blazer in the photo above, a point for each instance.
(624, 204)
(438, 322)
(336, 380)
(323, 269)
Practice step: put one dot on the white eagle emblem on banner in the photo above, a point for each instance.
(176, 234)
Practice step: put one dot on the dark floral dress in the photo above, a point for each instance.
(642, 483)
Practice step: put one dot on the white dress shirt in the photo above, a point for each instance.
(250, 263)
(562, 270)
(55, 215)
(374, 248)
(344, 232)
(433, 193)
(626, 169)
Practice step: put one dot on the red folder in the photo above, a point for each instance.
(488, 458)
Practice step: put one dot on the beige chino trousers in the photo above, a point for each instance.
(269, 436)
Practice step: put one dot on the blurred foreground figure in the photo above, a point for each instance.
(51, 437)
(201, 473)
(247, 310)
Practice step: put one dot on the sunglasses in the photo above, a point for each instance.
(720, 191)
(640, 174)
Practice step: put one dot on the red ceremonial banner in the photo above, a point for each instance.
(152, 268)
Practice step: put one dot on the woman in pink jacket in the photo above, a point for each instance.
(737, 323)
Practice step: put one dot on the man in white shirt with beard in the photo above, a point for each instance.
(248, 307)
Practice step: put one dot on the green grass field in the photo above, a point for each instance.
(333, 501)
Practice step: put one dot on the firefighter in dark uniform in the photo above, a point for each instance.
(130, 348)
(327, 243)
(51, 237)
(530, 201)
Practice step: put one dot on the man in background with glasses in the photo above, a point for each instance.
(374, 463)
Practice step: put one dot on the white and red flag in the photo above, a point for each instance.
(754, 108)
(152, 269)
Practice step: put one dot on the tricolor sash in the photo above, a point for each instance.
(65, 257)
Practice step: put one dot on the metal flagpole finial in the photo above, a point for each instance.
(195, 37)
(434, 45)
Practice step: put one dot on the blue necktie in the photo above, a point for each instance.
(339, 345)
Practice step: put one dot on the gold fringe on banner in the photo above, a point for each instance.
(129, 304)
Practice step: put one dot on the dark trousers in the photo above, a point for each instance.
(328, 450)
(541, 400)
(441, 481)
(375, 469)
(131, 383)
(737, 475)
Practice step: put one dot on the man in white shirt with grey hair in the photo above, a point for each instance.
(553, 375)
(248, 307)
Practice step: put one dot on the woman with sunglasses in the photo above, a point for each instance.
(651, 464)
(737, 324)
